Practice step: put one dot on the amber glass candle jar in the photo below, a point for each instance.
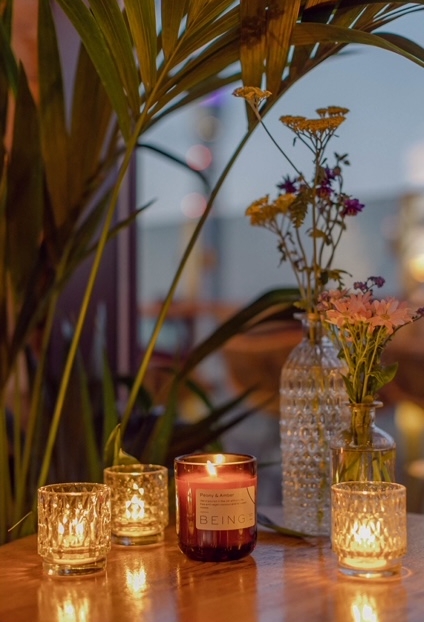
(216, 505)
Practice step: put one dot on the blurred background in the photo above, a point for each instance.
(233, 263)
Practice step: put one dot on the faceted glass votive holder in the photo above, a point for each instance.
(74, 533)
(139, 495)
(369, 531)
(216, 505)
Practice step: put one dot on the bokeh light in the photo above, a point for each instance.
(199, 157)
(193, 205)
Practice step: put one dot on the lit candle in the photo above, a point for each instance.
(139, 494)
(216, 505)
(74, 535)
(369, 527)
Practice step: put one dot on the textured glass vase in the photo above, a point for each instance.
(313, 409)
(363, 452)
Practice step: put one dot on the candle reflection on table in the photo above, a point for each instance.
(73, 601)
(370, 602)
(136, 580)
(194, 585)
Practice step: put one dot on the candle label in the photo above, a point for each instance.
(225, 509)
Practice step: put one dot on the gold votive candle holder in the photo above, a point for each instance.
(74, 528)
(368, 528)
(139, 494)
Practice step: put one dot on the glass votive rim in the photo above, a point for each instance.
(133, 529)
(372, 506)
(135, 469)
(65, 559)
(219, 460)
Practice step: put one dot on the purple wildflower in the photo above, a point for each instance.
(324, 191)
(366, 286)
(330, 174)
(288, 185)
(352, 207)
(378, 281)
(361, 285)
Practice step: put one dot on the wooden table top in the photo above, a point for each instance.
(284, 580)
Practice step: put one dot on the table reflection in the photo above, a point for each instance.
(140, 569)
(364, 601)
(74, 600)
(136, 580)
(195, 592)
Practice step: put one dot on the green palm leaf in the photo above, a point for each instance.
(172, 14)
(8, 65)
(54, 136)
(114, 28)
(281, 19)
(277, 300)
(98, 50)
(216, 57)
(142, 22)
(195, 39)
(24, 207)
(252, 46)
(91, 120)
(3, 280)
(305, 34)
(207, 13)
(197, 92)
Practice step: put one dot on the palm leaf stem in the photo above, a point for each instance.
(17, 422)
(104, 236)
(36, 401)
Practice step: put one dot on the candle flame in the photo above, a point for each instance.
(134, 509)
(72, 532)
(210, 466)
(363, 534)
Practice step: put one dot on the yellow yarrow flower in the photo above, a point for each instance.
(253, 95)
(332, 111)
(313, 127)
(262, 212)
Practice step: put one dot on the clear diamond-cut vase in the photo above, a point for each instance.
(313, 409)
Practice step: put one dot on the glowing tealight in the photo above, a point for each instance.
(139, 503)
(74, 528)
(134, 509)
(364, 535)
(369, 527)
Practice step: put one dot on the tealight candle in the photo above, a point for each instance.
(74, 534)
(216, 505)
(139, 503)
(369, 527)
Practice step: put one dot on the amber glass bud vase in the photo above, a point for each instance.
(364, 452)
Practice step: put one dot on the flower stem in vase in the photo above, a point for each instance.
(365, 452)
